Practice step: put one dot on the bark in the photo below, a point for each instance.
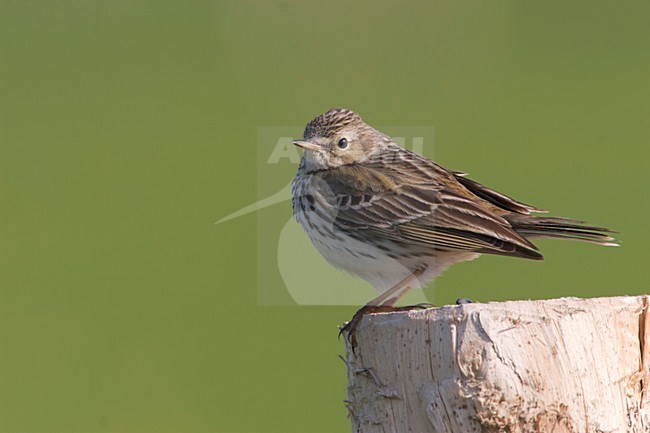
(561, 365)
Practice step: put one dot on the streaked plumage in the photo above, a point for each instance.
(383, 213)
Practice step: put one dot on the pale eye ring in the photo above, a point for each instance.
(343, 143)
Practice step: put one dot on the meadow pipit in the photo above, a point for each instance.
(397, 219)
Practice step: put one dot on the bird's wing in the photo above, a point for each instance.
(496, 198)
(431, 213)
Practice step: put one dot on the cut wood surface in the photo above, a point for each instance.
(559, 365)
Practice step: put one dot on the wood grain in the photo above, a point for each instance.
(560, 365)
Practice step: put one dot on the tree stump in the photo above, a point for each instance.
(560, 365)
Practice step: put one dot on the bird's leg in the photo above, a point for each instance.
(383, 303)
(392, 295)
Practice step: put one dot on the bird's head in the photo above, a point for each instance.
(339, 137)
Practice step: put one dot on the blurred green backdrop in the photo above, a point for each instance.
(129, 127)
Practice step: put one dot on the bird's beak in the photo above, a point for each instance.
(307, 145)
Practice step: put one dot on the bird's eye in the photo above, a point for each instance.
(343, 143)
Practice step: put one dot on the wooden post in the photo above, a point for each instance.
(561, 365)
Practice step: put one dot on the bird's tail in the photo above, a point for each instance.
(531, 226)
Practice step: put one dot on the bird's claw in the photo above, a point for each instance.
(350, 327)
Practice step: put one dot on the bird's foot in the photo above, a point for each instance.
(350, 327)
(461, 301)
(420, 306)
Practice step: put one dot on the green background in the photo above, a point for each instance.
(129, 127)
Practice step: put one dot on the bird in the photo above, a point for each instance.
(397, 219)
